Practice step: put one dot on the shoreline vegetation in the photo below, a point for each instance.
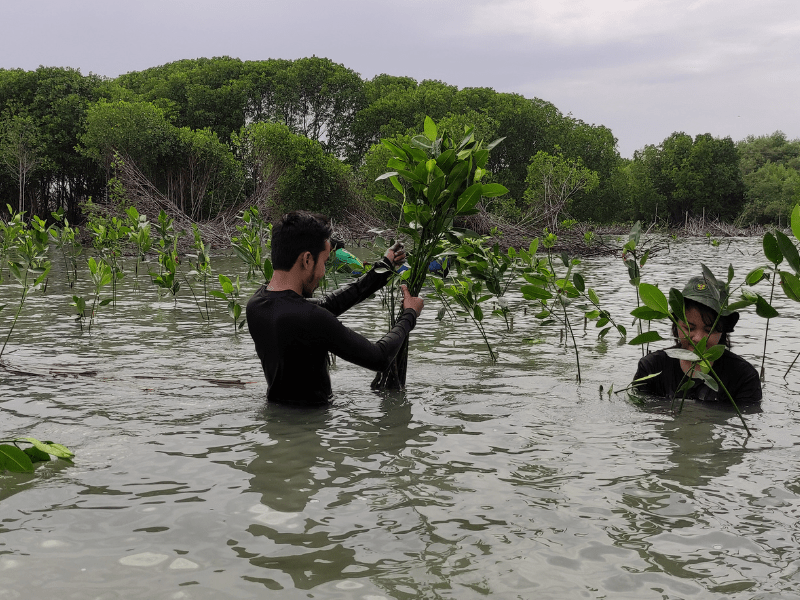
(205, 139)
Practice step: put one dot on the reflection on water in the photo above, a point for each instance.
(506, 479)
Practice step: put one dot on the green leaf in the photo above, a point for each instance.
(603, 333)
(676, 303)
(646, 338)
(492, 190)
(430, 129)
(653, 298)
(788, 250)
(593, 296)
(218, 294)
(226, 284)
(771, 249)
(734, 306)
(15, 460)
(534, 292)
(791, 285)
(647, 314)
(577, 281)
(478, 312)
(796, 221)
(469, 198)
(754, 276)
(714, 353)
(681, 354)
(622, 331)
(764, 309)
(708, 380)
(396, 184)
(36, 455)
(58, 450)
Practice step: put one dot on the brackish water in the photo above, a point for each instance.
(507, 480)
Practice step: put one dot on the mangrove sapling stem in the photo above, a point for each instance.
(791, 365)
(16, 316)
(574, 343)
(766, 329)
(196, 301)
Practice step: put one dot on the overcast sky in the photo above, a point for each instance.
(643, 68)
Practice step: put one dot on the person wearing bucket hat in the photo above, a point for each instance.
(706, 317)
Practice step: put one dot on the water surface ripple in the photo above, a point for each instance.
(507, 480)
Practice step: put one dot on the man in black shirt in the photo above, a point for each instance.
(294, 332)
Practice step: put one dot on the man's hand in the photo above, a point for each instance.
(410, 301)
(396, 254)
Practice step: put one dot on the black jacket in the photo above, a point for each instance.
(293, 336)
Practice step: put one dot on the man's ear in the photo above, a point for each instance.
(306, 260)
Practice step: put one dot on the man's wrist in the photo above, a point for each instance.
(387, 263)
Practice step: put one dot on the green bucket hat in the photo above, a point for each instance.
(699, 290)
(703, 292)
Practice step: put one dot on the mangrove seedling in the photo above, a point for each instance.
(468, 295)
(109, 235)
(230, 293)
(200, 262)
(437, 179)
(101, 275)
(790, 281)
(167, 279)
(489, 264)
(16, 459)
(10, 232)
(139, 237)
(28, 264)
(66, 239)
(634, 256)
(554, 294)
(252, 244)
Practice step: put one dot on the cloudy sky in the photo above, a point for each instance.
(644, 68)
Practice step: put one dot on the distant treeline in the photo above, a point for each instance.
(211, 134)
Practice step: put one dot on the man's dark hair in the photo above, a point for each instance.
(295, 233)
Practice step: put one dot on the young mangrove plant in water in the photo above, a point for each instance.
(28, 263)
(230, 294)
(138, 237)
(101, 275)
(108, 237)
(10, 232)
(65, 238)
(438, 178)
(167, 280)
(777, 247)
(15, 459)
(555, 293)
(468, 295)
(490, 265)
(200, 262)
(252, 244)
(634, 256)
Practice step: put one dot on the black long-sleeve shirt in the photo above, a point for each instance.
(739, 377)
(293, 336)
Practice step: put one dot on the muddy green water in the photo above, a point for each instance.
(506, 480)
